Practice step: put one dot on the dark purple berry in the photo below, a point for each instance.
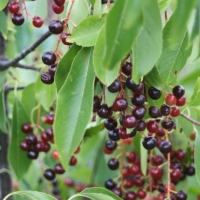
(32, 154)
(58, 169)
(113, 135)
(114, 87)
(49, 174)
(154, 93)
(154, 112)
(47, 78)
(149, 142)
(139, 112)
(141, 125)
(120, 104)
(165, 147)
(104, 111)
(52, 69)
(111, 145)
(167, 123)
(110, 123)
(56, 27)
(165, 110)
(130, 84)
(181, 195)
(127, 68)
(110, 184)
(113, 164)
(49, 58)
(178, 91)
(17, 19)
(138, 99)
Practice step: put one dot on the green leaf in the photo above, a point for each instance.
(110, 97)
(97, 8)
(2, 78)
(3, 4)
(143, 156)
(195, 98)
(105, 76)
(33, 195)
(173, 58)
(45, 94)
(28, 98)
(149, 40)
(3, 24)
(196, 156)
(183, 11)
(74, 106)
(17, 158)
(164, 4)
(87, 31)
(96, 194)
(179, 140)
(64, 66)
(3, 118)
(124, 22)
(41, 9)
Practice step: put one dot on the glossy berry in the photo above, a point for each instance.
(131, 157)
(58, 169)
(138, 100)
(46, 147)
(181, 195)
(32, 154)
(44, 137)
(26, 128)
(37, 21)
(141, 194)
(117, 191)
(154, 112)
(96, 102)
(113, 163)
(130, 196)
(167, 123)
(139, 112)
(52, 69)
(156, 172)
(141, 125)
(129, 121)
(49, 58)
(169, 187)
(114, 87)
(17, 19)
(181, 101)
(139, 89)
(175, 111)
(64, 38)
(178, 91)
(165, 110)
(59, 2)
(157, 160)
(122, 133)
(110, 184)
(149, 143)
(49, 133)
(113, 135)
(175, 174)
(139, 182)
(152, 126)
(56, 27)
(127, 68)
(104, 111)
(120, 104)
(73, 161)
(170, 99)
(128, 183)
(31, 139)
(165, 147)
(121, 119)
(56, 191)
(160, 132)
(13, 7)
(110, 124)
(57, 9)
(24, 145)
(47, 78)
(134, 169)
(111, 145)
(55, 154)
(40, 146)
(131, 84)
(190, 171)
(49, 174)
(154, 93)
(180, 155)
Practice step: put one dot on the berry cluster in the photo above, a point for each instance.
(131, 114)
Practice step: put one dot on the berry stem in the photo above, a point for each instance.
(166, 17)
(190, 119)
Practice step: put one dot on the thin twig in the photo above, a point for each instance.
(31, 67)
(9, 88)
(5, 64)
(190, 119)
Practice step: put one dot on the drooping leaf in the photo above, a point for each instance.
(28, 98)
(96, 194)
(179, 140)
(196, 157)
(87, 31)
(110, 97)
(143, 156)
(45, 94)
(17, 158)
(183, 11)
(3, 4)
(195, 98)
(105, 76)
(148, 46)
(123, 24)
(172, 59)
(74, 105)
(64, 66)
(97, 8)
(33, 195)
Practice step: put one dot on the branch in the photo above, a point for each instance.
(190, 119)
(9, 88)
(19, 65)
(5, 64)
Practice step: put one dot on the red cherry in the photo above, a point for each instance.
(64, 38)
(181, 101)
(131, 157)
(175, 111)
(170, 99)
(13, 7)
(107, 151)
(175, 174)
(59, 2)
(37, 21)
(141, 194)
(171, 187)
(57, 9)
(73, 161)
(55, 155)
(134, 169)
(152, 126)
(156, 172)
